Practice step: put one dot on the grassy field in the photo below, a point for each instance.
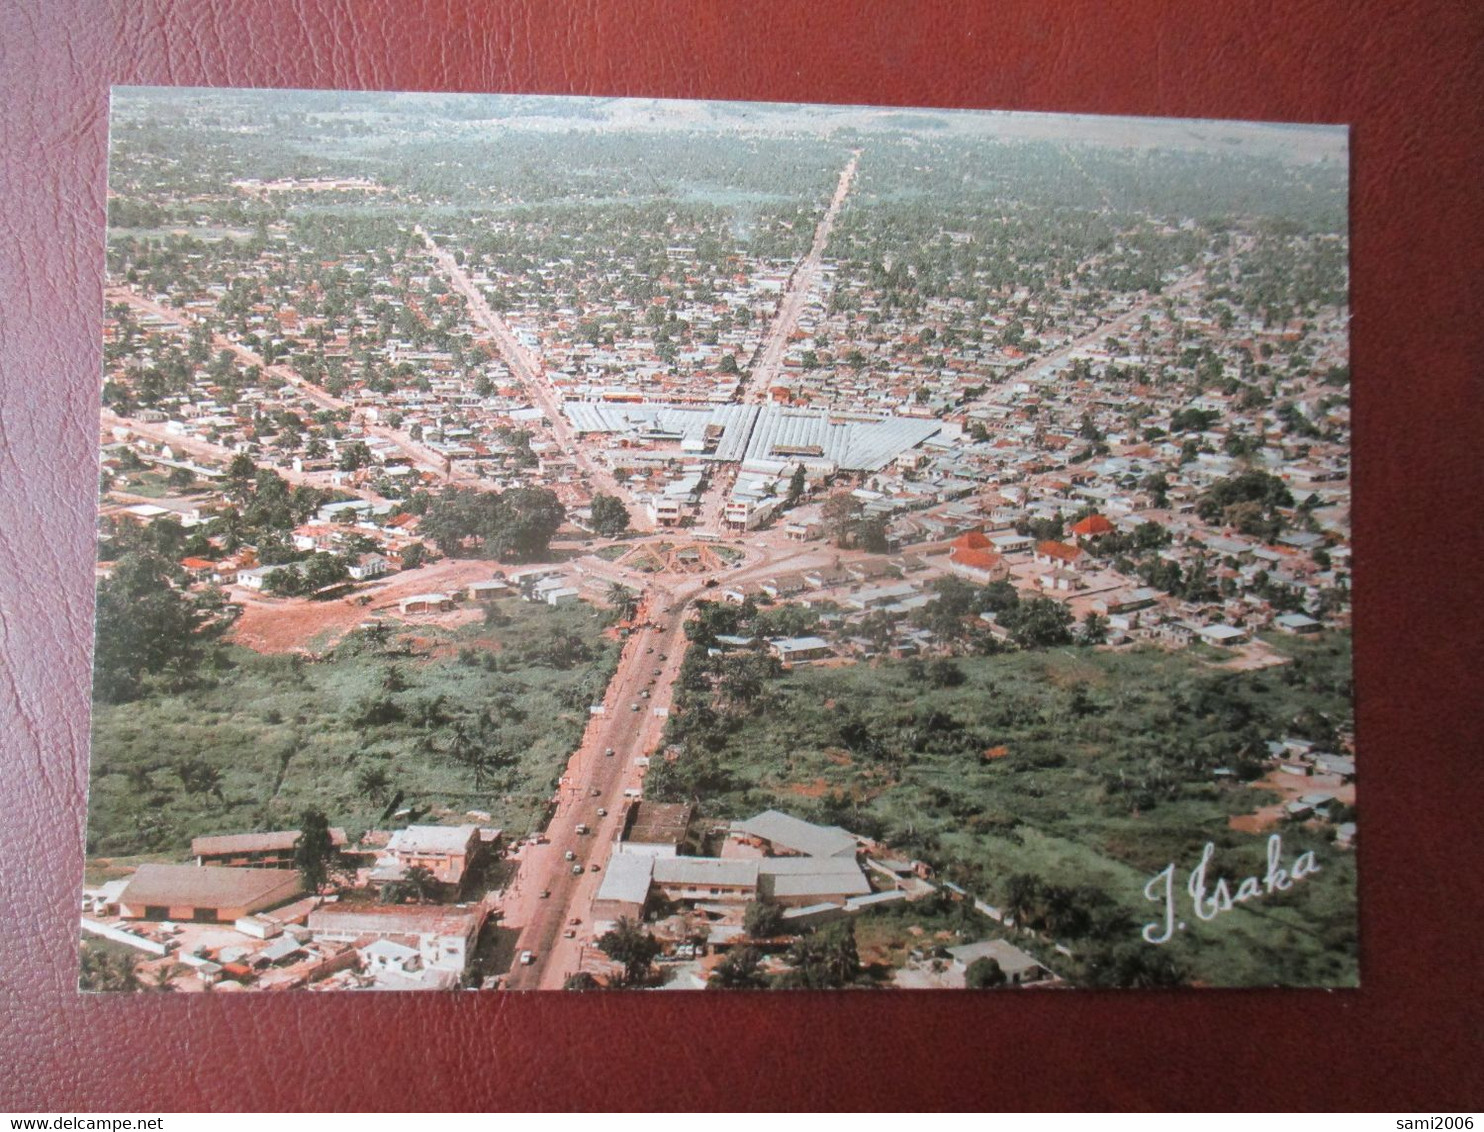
(483, 717)
(1087, 769)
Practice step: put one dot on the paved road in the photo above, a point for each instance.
(765, 369)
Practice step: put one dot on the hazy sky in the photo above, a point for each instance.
(463, 112)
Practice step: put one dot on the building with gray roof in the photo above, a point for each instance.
(787, 834)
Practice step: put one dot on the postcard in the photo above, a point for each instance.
(595, 544)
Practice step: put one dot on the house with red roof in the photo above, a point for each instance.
(1094, 526)
(981, 564)
(1059, 555)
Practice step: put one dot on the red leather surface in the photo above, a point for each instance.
(1404, 75)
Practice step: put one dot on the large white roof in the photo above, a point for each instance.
(764, 433)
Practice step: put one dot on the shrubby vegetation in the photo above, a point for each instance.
(481, 718)
(1057, 780)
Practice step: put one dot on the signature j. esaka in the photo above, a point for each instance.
(1210, 897)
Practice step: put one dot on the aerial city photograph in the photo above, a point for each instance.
(587, 544)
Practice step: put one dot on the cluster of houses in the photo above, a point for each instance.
(240, 917)
(813, 874)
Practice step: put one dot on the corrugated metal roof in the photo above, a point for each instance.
(627, 878)
(798, 835)
(763, 433)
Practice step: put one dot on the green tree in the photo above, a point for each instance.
(824, 959)
(738, 971)
(418, 884)
(104, 970)
(623, 600)
(629, 944)
(610, 518)
(314, 851)
(1040, 623)
(354, 455)
(146, 627)
(984, 973)
(796, 484)
(1134, 965)
(840, 513)
(762, 919)
(524, 523)
(1094, 629)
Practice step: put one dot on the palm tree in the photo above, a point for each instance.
(631, 945)
(738, 971)
(1022, 898)
(162, 978)
(417, 882)
(107, 971)
(623, 599)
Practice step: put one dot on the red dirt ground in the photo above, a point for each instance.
(1289, 786)
(274, 625)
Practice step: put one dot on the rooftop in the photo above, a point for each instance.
(397, 919)
(705, 870)
(210, 886)
(627, 878)
(797, 835)
(1011, 959)
(271, 841)
(432, 839)
(658, 823)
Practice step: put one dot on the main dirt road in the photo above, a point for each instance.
(770, 360)
(527, 370)
(596, 780)
(631, 726)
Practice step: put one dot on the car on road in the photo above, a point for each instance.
(576, 870)
(634, 707)
(574, 921)
(602, 813)
(546, 894)
(527, 958)
(650, 649)
(595, 868)
(581, 828)
(569, 855)
(609, 752)
(664, 656)
(569, 934)
(659, 671)
(644, 695)
(597, 793)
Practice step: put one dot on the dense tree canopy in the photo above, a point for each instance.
(147, 626)
(514, 526)
(610, 516)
